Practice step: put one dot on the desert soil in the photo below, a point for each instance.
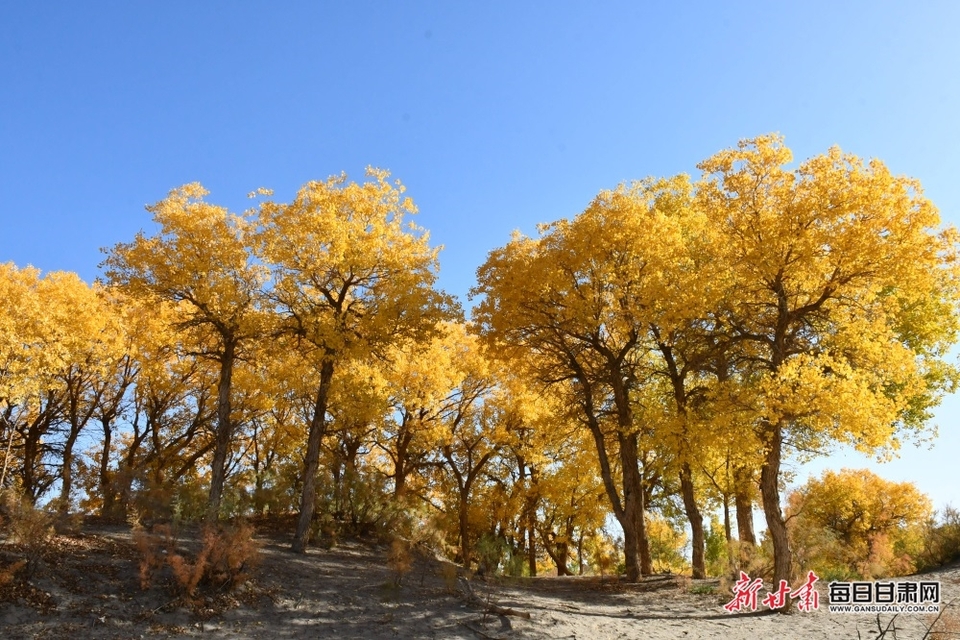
(87, 586)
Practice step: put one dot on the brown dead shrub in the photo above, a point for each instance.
(9, 573)
(232, 555)
(226, 558)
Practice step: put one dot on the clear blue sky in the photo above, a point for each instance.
(496, 115)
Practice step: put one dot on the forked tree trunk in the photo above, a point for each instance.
(629, 510)
(636, 546)
(687, 492)
(402, 466)
(562, 554)
(32, 450)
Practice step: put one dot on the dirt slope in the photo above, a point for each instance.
(87, 586)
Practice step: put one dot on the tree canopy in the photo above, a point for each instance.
(654, 358)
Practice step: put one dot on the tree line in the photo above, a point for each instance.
(655, 358)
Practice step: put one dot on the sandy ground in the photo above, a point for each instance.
(87, 586)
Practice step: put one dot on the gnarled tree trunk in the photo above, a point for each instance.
(770, 494)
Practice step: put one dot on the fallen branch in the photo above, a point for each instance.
(930, 628)
(891, 626)
(492, 608)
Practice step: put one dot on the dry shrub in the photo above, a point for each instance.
(231, 554)
(187, 574)
(154, 547)
(30, 526)
(945, 625)
(225, 560)
(7, 574)
(941, 543)
(27, 527)
(449, 573)
(427, 534)
(327, 531)
(65, 522)
(605, 560)
(399, 560)
(755, 561)
(68, 524)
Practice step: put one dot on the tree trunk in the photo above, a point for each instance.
(727, 534)
(465, 484)
(126, 470)
(400, 467)
(66, 474)
(32, 435)
(562, 553)
(530, 516)
(224, 430)
(646, 559)
(636, 546)
(629, 511)
(259, 499)
(337, 472)
(311, 463)
(399, 487)
(464, 515)
(696, 521)
(558, 551)
(744, 507)
(107, 488)
(630, 508)
(580, 554)
(531, 550)
(770, 494)
(350, 479)
(6, 457)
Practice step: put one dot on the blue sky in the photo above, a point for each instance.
(496, 115)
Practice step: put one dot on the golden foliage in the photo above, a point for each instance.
(855, 524)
